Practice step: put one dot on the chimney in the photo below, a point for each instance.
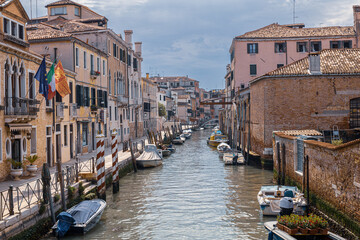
(314, 63)
(128, 37)
(138, 48)
(147, 75)
(356, 10)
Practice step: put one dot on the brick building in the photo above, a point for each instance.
(316, 92)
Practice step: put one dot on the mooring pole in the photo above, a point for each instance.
(100, 167)
(307, 186)
(132, 156)
(115, 162)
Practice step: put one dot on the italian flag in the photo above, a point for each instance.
(51, 81)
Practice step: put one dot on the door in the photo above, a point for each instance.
(121, 133)
(71, 141)
(48, 151)
(16, 151)
(93, 135)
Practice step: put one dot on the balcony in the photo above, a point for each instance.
(94, 74)
(121, 100)
(60, 110)
(73, 110)
(20, 109)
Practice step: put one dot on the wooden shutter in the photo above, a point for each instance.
(256, 48)
(105, 98)
(248, 48)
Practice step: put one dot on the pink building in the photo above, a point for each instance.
(260, 51)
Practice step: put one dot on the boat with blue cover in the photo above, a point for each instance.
(79, 219)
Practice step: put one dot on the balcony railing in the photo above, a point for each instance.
(60, 110)
(94, 74)
(73, 109)
(15, 106)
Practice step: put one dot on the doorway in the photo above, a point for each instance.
(16, 151)
(49, 158)
(93, 135)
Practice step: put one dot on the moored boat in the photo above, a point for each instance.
(177, 140)
(233, 158)
(166, 152)
(79, 219)
(151, 157)
(269, 199)
(216, 139)
(276, 234)
(223, 148)
(182, 137)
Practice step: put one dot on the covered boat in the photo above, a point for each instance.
(233, 158)
(223, 148)
(269, 199)
(187, 133)
(276, 234)
(177, 140)
(150, 157)
(80, 218)
(216, 139)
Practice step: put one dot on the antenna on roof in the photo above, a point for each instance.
(294, 15)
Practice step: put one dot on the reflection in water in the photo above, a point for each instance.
(192, 196)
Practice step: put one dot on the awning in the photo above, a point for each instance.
(19, 127)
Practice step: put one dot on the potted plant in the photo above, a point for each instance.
(290, 223)
(303, 225)
(32, 168)
(16, 168)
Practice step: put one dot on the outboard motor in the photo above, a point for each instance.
(235, 158)
(286, 203)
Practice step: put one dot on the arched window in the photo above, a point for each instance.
(355, 113)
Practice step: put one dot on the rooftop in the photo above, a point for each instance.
(308, 132)
(43, 31)
(72, 26)
(288, 31)
(332, 61)
(63, 2)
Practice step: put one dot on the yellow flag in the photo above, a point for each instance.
(62, 86)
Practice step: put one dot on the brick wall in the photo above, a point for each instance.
(334, 171)
(314, 102)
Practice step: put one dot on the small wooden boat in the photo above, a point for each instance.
(182, 137)
(233, 158)
(269, 199)
(151, 157)
(166, 152)
(216, 139)
(79, 219)
(171, 148)
(276, 234)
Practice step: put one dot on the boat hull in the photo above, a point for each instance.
(148, 163)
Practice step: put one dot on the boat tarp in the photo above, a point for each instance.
(149, 155)
(275, 206)
(84, 210)
(65, 220)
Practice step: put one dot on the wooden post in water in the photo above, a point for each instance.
(100, 167)
(283, 163)
(132, 156)
(278, 162)
(46, 179)
(115, 162)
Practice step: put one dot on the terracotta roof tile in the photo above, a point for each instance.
(283, 31)
(71, 26)
(308, 132)
(62, 2)
(332, 61)
(43, 31)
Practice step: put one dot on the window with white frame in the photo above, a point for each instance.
(65, 135)
(98, 64)
(77, 11)
(85, 63)
(104, 67)
(58, 11)
(33, 141)
(13, 28)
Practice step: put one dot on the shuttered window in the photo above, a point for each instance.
(79, 95)
(93, 96)
(105, 99)
(253, 69)
(99, 98)
(86, 97)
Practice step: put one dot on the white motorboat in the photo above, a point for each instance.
(80, 218)
(182, 137)
(269, 199)
(151, 157)
(276, 234)
(223, 148)
(178, 140)
(233, 158)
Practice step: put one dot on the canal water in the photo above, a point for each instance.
(192, 196)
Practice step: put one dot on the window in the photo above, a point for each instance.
(79, 95)
(109, 82)
(104, 67)
(334, 44)
(8, 148)
(86, 96)
(6, 25)
(1, 153)
(280, 65)
(71, 92)
(92, 64)
(98, 64)
(114, 50)
(77, 57)
(116, 113)
(252, 48)
(85, 134)
(164, 98)
(32, 86)
(110, 112)
(121, 54)
(301, 47)
(242, 86)
(58, 11)
(13, 29)
(77, 11)
(93, 96)
(315, 46)
(21, 32)
(33, 141)
(280, 47)
(355, 113)
(85, 56)
(65, 136)
(252, 69)
(347, 44)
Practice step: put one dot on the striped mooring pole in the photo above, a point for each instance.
(115, 162)
(100, 167)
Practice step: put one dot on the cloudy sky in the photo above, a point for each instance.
(192, 37)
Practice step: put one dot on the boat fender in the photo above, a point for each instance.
(65, 220)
